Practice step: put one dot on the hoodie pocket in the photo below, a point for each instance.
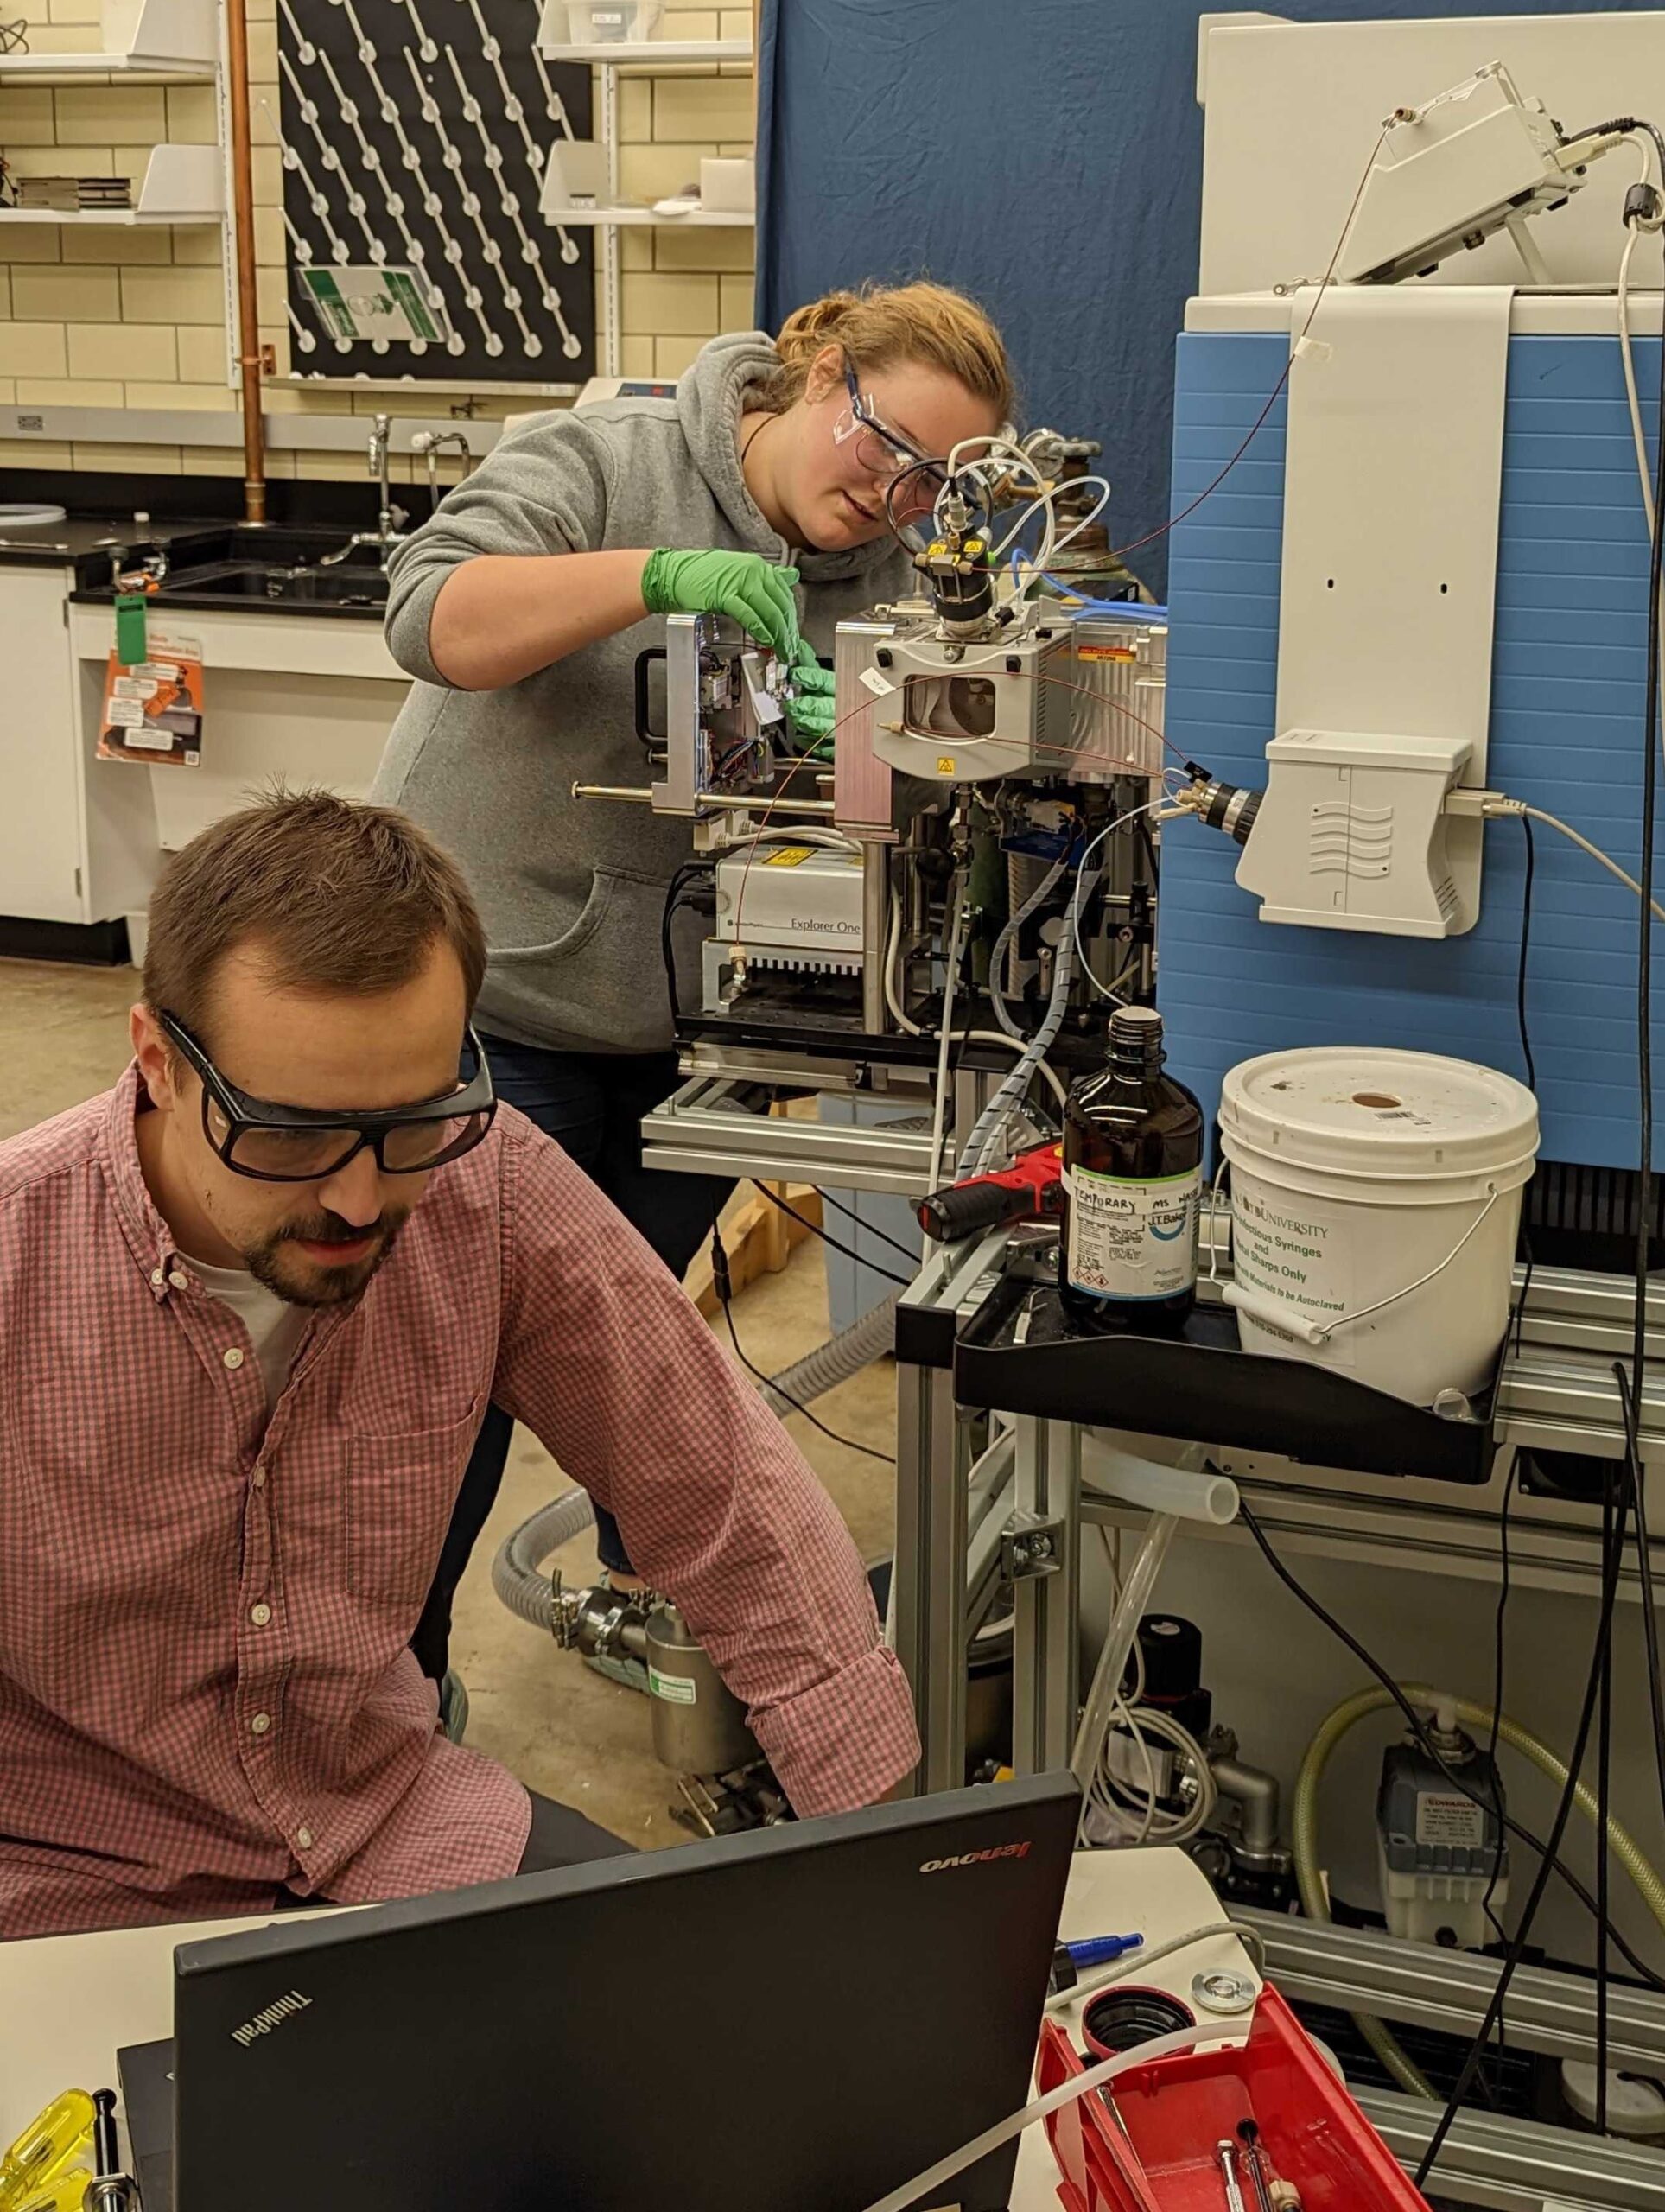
(601, 981)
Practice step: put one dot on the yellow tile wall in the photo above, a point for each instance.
(112, 316)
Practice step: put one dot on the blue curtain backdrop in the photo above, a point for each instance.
(1045, 155)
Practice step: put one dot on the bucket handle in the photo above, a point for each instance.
(1311, 1331)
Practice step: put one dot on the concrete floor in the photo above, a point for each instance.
(564, 1729)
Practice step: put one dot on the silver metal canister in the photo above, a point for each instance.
(699, 1725)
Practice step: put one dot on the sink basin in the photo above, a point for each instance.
(353, 584)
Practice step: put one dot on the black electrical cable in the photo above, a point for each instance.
(1551, 1858)
(1498, 1662)
(1644, 1570)
(1598, 1686)
(1511, 1343)
(679, 882)
(1625, 122)
(1526, 938)
(913, 468)
(816, 1230)
(720, 1278)
(1151, 860)
(850, 1214)
(1541, 1882)
(1604, 1808)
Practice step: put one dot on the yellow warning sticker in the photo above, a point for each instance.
(1105, 653)
(944, 764)
(789, 857)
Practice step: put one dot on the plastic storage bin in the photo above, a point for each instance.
(612, 22)
(856, 1287)
(1156, 2153)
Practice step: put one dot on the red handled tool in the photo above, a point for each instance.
(1031, 1189)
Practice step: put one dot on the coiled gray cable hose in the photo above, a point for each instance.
(1017, 866)
(835, 1360)
(515, 1575)
(985, 1135)
(517, 1572)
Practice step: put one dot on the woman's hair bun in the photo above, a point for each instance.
(882, 325)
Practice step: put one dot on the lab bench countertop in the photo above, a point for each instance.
(84, 538)
(244, 570)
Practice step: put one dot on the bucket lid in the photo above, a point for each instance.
(1366, 1109)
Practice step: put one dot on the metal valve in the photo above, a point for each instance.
(600, 1622)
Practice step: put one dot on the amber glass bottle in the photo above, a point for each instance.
(1133, 1173)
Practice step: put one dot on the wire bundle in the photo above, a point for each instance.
(1107, 1793)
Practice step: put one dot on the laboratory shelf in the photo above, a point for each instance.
(105, 219)
(1020, 1354)
(180, 185)
(653, 53)
(71, 67)
(698, 218)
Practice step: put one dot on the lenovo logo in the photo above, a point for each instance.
(976, 1858)
(273, 2016)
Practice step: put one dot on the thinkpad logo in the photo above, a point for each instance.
(272, 2016)
(976, 1858)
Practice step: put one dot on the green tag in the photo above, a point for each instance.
(130, 629)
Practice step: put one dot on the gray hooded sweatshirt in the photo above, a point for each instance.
(572, 890)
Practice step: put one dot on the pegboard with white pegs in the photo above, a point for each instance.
(413, 136)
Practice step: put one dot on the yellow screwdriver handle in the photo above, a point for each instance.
(47, 2144)
(65, 2192)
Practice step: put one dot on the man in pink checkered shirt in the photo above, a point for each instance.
(253, 1304)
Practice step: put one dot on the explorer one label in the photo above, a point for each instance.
(1132, 1240)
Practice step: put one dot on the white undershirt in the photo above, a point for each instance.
(275, 1326)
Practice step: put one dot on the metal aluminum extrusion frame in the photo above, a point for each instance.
(1557, 1394)
(1028, 1503)
(1518, 2165)
(1352, 1968)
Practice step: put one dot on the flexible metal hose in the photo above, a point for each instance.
(1023, 898)
(1314, 1900)
(516, 1571)
(989, 1125)
(834, 1362)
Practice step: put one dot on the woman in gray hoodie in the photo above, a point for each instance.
(520, 610)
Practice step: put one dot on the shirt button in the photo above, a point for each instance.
(260, 1615)
(157, 1277)
(180, 1280)
(258, 1479)
(260, 1724)
(303, 1837)
(233, 1357)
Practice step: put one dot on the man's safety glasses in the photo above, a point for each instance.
(296, 1144)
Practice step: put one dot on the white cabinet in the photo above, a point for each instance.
(78, 839)
(41, 851)
(286, 698)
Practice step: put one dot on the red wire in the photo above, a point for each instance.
(1173, 521)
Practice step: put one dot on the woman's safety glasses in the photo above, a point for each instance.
(296, 1144)
(885, 455)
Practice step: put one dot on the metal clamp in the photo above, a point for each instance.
(1030, 1544)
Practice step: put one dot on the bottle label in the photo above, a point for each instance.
(1132, 1240)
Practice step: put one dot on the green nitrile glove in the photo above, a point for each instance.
(813, 681)
(812, 715)
(742, 586)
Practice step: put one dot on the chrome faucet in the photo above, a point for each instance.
(390, 529)
(430, 443)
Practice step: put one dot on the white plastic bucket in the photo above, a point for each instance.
(1357, 1173)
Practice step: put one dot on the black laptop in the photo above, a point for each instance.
(800, 2017)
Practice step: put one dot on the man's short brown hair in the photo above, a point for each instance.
(337, 896)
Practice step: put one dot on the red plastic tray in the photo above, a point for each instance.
(1176, 2109)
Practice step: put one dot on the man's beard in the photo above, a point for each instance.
(323, 1286)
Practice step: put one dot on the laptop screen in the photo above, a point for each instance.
(801, 2016)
